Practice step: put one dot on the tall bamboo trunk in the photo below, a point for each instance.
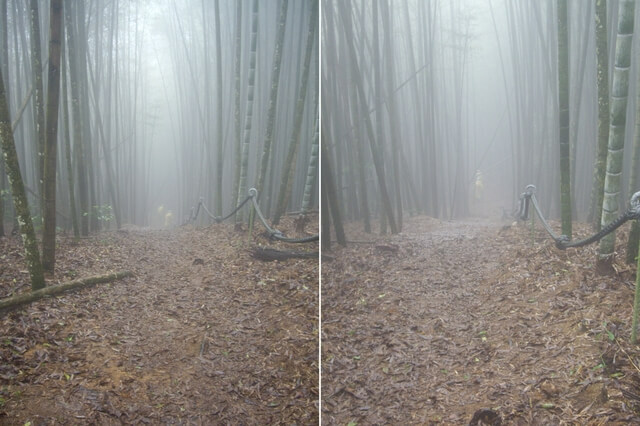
(51, 146)
(32, 256)
(78, 145)
(597, 190)
(220, 140)
(273, 96)
(237, 110)
(67, 143)
(38, 95)
(244, 159)
(634, 235)
(563, 103)
(312, 170)
(290, 161)
(619, 95)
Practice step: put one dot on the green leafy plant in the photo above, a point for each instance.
(103, 213)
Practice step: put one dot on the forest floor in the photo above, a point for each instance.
(449, 318)
(203, 333)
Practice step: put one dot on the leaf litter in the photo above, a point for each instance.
(202, 334)
(476, 318)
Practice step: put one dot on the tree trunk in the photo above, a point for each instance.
(4, 66)
(220, 140)
(38, 96)
(78, 145)
(67, 141)
(273, 96)
(619, 95)
(634, 235)
(290, 161)
(330, 197)
(377, 159)
(392, 108)
(563, 104)
(312, 170)
(244, 160)
(357, 113)
(50, 151)
(597, 190)
(32, 256)
(237, 74)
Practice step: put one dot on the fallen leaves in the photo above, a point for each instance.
(192, 338)
(475, 317)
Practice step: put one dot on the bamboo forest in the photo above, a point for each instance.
(479, 199)
(132, 288)
(319, 212)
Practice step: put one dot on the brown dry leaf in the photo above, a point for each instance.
(191, 338)
(475, 317)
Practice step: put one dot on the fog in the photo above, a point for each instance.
(458, 100)
(166, 108)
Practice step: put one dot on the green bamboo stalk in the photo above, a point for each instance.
(244, 160)
(273, 96)
(312, 170)
(619, 96)
(32, 256)
(294, 142)
(597, 191)
(563, 102)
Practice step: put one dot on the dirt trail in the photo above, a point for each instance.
(202, 334)
(448, 318)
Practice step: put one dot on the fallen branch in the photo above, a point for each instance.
(21, 299)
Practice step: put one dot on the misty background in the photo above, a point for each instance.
(458, 101)
(164, 102)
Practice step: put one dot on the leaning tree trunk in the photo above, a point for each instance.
(563, 104)
(619, 95)
(597, 190)
(32, 256)
(50, 149)
(290, 162)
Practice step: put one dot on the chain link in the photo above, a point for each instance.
(563, 241)
(253, 196)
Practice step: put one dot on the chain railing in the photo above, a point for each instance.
(253, 196)
(563, 241)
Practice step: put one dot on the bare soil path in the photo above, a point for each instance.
(448, 318)
(202, 334)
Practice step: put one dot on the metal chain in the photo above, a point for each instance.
(274, 233)
(253, 196)
(562, 241)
